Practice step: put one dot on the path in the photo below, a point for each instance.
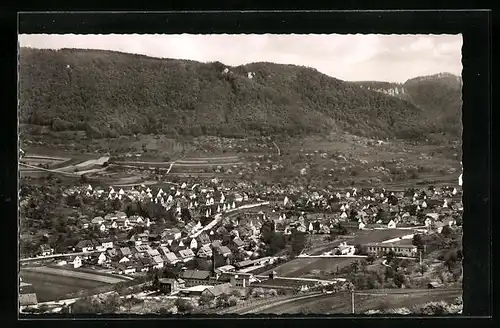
(219, 217)
(54, 256)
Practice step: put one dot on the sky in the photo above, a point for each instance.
(356, 57)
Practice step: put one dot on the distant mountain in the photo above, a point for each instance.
(107, 94)
(439, 96)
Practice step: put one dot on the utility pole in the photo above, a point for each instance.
(352, 301)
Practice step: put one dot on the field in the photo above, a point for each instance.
(50, 287)
(311, 267)
(54, 283)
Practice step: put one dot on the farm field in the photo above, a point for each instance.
(51, 287)
(311, 267)
(52, 283)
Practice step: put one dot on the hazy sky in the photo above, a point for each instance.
(392, 58)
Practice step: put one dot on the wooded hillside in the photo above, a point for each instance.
(107, 94)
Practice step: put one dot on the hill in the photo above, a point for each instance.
(439, 96)
(107, 94)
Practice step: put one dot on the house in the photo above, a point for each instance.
(145, 263)
(163, 250)
(186, 254)
(143, 249)
(84, 246)
(77, 262)
(238, 242)
(107, 243)
(345, 249)
(25, 288)
(125, 252)
(136, 220)
(225, 268)
(243, 264)
(434, 285)
(224, 251)
(124, 259)
(97, 221)
(110, 217)
(112, 225)
(168, 285)
(153, 252)
(154, 237)
(193, 244)
(123, 223)
(128, 268)
(46, 250)
(204, 251)
(203, 239)
(177, 245)
(28, 299)
(143, 237)
(170, 258)
(399, 248)
(240, 279)
(158, 262)
(238, 198)
(218, 290)
(195, 277)
(391, 224)
(102, 259)
(98, 246)
(176, 232)
(167, 237)
(84, 223)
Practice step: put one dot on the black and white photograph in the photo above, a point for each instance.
(246, 174)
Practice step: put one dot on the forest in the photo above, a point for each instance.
(109, 94)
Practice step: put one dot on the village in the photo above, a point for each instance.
(221, 236)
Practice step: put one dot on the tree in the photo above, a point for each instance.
(446, 231)
(341, 230)
(359, 250)
(298, 242)
(232, 300)
(110, 304)
(184, 305)
(156, 282)
(352, 215)
(222, 301)
(417, 241)
(371, 258)
(390, 256)
(266, 231)
(381, 215)
(206, 299)
(355, 266)
(185, 215)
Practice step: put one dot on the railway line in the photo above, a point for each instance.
(340, 303)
